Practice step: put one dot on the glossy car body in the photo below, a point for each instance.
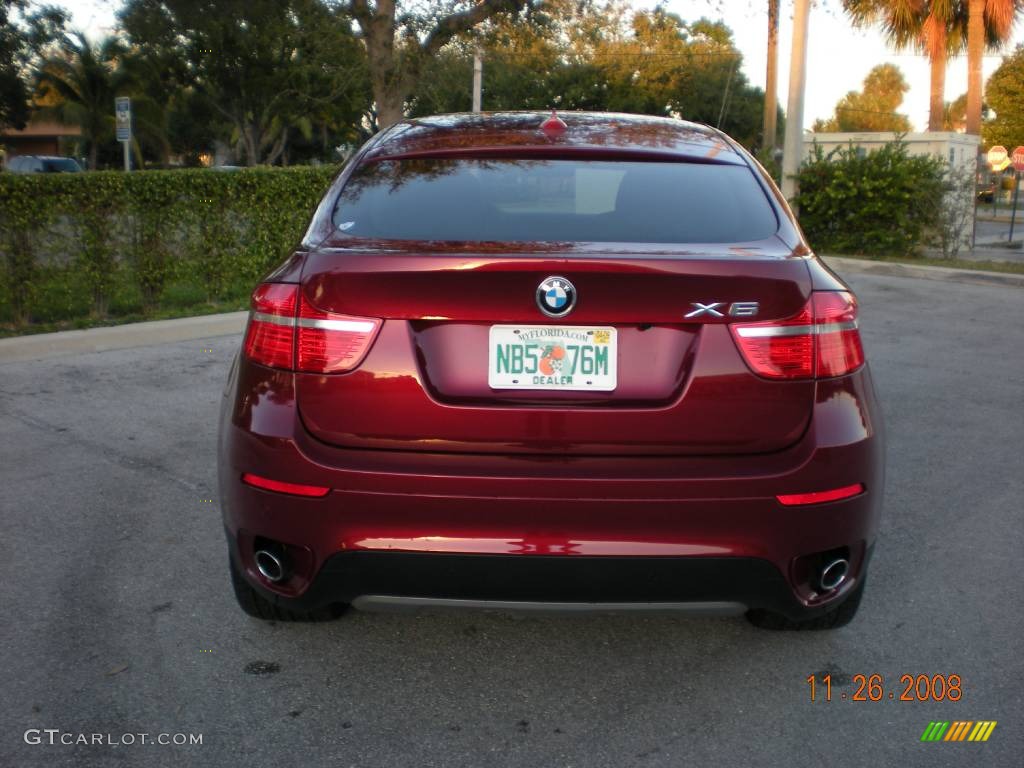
(665, 492)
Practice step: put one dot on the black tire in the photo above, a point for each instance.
(256, 605)
(839, 616)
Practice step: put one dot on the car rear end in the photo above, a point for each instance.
(592, 366)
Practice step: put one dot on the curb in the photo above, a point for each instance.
(848, 265)
(45, 345)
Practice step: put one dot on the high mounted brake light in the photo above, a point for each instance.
(287, 332)
(820, 341)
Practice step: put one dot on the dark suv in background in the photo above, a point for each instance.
(42, 164)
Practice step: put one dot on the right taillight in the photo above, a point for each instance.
(285, 331)
(820, 341)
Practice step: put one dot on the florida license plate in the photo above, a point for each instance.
(552, 357)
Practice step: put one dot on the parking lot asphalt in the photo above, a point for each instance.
(117, 616)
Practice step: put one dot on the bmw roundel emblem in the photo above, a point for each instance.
(556, 297)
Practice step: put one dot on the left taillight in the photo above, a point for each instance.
(820, 341)
(286, 331)
(270, 339)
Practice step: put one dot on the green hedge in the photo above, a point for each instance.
(882, 202)
(95, 245)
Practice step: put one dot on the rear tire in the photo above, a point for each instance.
(839, 616)
(256, 605)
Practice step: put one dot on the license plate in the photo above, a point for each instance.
(552, 357)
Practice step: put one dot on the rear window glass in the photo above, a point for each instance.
(508, 200)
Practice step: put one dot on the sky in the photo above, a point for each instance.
(838, 56)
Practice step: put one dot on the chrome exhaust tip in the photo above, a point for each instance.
(833, 574)
(271, 566)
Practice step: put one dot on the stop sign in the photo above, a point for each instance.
(997, 157)
(1018, 158)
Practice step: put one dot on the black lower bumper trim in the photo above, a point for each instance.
(752, 582)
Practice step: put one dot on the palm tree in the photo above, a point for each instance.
(939, 28)
(991, 22)
(77, 87)
(936, 28)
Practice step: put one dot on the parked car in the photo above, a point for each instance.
(530, 362)
(42, 164)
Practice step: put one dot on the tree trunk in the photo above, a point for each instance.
(94, 149)
(252, 151)
(975, 49)
(771, 86)
(937, 105)
(390, 105)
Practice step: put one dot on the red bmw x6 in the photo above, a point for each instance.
(530, 361)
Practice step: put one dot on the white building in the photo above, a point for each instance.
(957, 149)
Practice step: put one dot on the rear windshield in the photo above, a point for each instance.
(509, 200)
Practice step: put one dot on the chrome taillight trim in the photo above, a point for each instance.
(767, 331)
(352, 326)
(264, 317)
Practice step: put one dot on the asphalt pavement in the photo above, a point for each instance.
(117, 616)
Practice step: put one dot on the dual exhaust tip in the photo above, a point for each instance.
(833, 573)
(272, 565)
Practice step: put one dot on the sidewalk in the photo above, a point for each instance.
(43, 345)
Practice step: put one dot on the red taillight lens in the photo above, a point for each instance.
(270, 338)
(332, 343)
(820, 497)
(839, 347)
(779, 350)
(295, 489)
(286, 331)
(821, 340)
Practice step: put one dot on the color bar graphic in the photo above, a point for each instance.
(958, 730)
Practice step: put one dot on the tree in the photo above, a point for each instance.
(268, 70)
(77, 86)
(402, 39)
(1005, 95)
(992, 19)
(934, 27)
(22, 40)
(873, 108)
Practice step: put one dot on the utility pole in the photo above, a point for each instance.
(793, 146)
(478, 80)
(771, 86)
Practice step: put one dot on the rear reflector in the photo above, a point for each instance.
(820, 341)
(820, 497)
(295, 489)
(285, 331)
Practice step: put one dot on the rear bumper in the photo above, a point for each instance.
(518, 528)
(708, 585)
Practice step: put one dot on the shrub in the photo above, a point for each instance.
(883, 202)
(104, 242)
